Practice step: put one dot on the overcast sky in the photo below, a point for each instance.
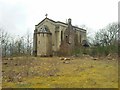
(20, 16)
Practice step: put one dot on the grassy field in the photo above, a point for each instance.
(51, 72)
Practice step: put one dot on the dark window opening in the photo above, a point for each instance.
(76, 39)
(80, 39)
(61, 35)
(67, 39)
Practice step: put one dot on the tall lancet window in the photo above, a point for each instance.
(61, 35)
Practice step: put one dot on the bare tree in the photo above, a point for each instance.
(106, 39)
(29, 42)
(15, 46)
(4, 39)
(107, 35)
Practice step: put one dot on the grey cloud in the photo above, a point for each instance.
(12, 17)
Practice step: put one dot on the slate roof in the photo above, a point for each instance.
(59, 22)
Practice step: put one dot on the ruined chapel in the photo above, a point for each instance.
(55, 37)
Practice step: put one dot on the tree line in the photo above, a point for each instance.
(105, 40)
(15, 45)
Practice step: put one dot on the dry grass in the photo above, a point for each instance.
(38, 72)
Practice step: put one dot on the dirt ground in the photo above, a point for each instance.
(52, 72)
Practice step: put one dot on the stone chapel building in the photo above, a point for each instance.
(55, 37)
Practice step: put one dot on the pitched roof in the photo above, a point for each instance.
(44, 19)
(58, 22)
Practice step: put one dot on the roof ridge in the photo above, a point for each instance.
(58, 22)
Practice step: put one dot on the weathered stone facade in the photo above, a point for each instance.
(51, 37)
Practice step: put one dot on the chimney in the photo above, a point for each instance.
(69, 21)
